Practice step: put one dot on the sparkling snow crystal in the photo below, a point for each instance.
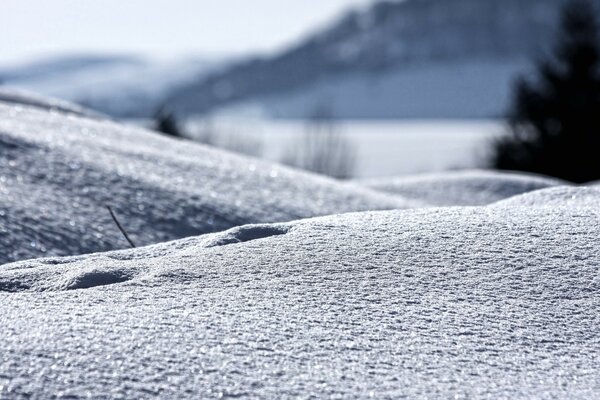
(489, 301)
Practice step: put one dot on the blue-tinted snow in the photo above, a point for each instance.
(462, 188)
(14, 96)
(496, 301)
(463, 302)
(59, 171)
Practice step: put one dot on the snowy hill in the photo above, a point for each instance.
(61, 166)
(116, 85)
(491, 301)
(499, 301)
(393, 59)
(462, 188)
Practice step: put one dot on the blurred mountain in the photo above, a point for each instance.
(121, 86)
(414, 58)
(393, 59)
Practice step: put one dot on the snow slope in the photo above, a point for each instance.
(13, 96)
(495, 301)
(59, 171)
(462, 188)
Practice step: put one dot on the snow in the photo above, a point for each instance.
(60, 171)
(486, 301)
(559, 196)
(465, 302)
(115, 85)
(19, 96)
(473, 187)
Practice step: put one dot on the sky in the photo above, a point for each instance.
(157, 28)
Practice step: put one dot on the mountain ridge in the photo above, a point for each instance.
(387, 37)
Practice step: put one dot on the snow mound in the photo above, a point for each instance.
(462, 188)
(559, 196)
(23, 97)
(248, 233)
(467, 302)
(60, 171)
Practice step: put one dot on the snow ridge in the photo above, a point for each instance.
(61, 170)
(462, 188)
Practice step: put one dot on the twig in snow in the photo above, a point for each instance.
(112, 214)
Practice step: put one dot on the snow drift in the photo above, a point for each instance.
(498, 301)
(462, 188)
(494, 301)
(15, 95)
(61, 167)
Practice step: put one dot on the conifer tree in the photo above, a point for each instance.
(555, 118)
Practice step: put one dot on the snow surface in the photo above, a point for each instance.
(497, 301)
(19, 96)
(494, 301)
(60, 171)
(462, 188)
(558, 196)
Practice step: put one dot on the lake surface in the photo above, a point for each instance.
(383, 148)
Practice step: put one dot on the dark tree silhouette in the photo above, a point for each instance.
(555, 119)
(166, 122)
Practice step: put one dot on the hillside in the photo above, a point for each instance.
(394, 59)
(115, 85)
(416, 56)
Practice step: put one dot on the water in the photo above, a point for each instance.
(383, 148)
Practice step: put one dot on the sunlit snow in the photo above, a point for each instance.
(495, 297)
